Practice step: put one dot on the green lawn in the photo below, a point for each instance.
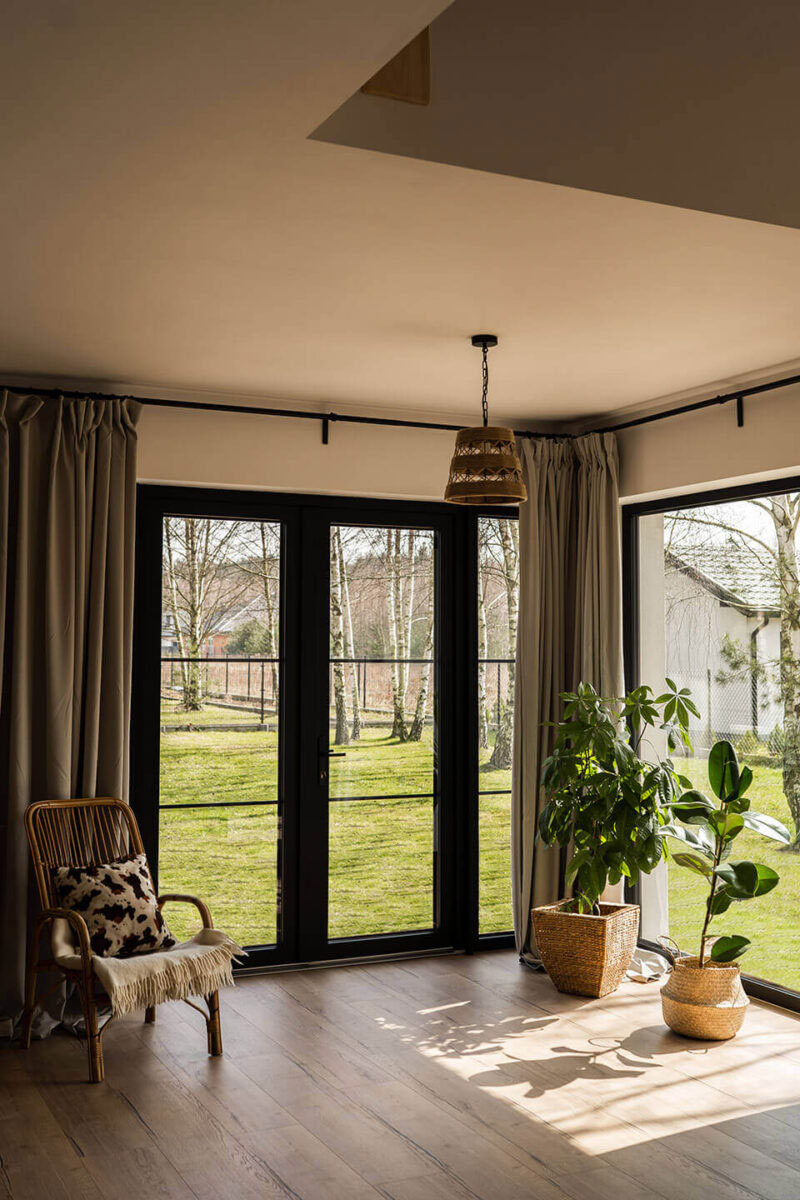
(773, 922)
(381, 851)
(211, 714)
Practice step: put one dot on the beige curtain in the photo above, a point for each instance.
(67, 509)
(570, 629)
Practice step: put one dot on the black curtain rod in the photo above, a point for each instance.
(326, 417)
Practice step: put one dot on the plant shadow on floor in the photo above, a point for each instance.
(610, 1058)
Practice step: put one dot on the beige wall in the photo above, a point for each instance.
(233, 450)
(242, 451)
(707, 448)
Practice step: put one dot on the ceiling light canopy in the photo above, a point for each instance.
(485, 467)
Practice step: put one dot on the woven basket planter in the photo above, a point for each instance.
(707, 1004)
(586, 955)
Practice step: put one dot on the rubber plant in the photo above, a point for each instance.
(708, 832)
(604, 799)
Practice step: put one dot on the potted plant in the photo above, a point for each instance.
(609, 805)
(704, 997)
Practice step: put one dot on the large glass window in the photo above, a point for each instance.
(719, 608)
(320, 749)
(498, 595)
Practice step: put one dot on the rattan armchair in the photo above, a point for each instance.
(79, 833)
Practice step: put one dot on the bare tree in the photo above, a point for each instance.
(421, 707)
(202, 581)
(349, 641)
(508, 533)
(342, 736)
(396, 628)
(483, 640)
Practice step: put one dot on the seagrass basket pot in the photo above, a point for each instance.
(586, 955)
(708, 1003)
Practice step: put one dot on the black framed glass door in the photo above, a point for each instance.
(305, 719)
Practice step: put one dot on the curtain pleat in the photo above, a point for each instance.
(570, 630)
(67, 513)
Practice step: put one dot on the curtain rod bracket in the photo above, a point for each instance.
(740, 411)
(325, 430)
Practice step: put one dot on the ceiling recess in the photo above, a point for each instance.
(407, 76)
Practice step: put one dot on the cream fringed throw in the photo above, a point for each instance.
(193, 968)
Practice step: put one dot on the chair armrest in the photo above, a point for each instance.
(200, 905)
(78, 925)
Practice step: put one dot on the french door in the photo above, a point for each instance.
(305, 751)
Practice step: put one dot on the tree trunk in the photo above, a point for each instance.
(270, 639)
(193, 688)
(172, 594)
(421, 708)
(337, 648)
(395, 632)
(349, 641)
(483, 650)
(509, 540)
(784, 522)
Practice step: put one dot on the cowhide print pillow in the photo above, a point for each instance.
(118, 904)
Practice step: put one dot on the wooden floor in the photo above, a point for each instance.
(436, 1079)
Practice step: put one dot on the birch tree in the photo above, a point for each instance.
(508, 534)
(202, 581)
(342, 735)
(349, 640)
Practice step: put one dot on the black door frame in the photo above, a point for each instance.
(304, 634)
(761, 989)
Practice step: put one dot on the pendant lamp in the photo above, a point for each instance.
(485, 468)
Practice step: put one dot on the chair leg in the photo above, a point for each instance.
(150, 1015)
(213, 1025)
(94, 1044)
(30, 1001)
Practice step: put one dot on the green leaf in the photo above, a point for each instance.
(726, 824)
(693, 862)
(575, 864)
(720, 901)
(693, 807)
(745, 779)
(767, 826)
(745, 880)
(670, 684)
(726, 949)
(723, 770)
(696, 839)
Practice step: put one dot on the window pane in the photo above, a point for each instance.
(199, 766)
(719, 614)
(228, 857)
(381, 866)
(382, 704)
(496, 914)
(220, 692)
(498, 598)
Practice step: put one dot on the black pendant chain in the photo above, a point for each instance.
(485, 390)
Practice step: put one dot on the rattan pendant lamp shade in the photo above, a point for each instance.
(485, 467)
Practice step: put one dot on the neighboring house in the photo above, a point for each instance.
(240, 614)
(712, 592)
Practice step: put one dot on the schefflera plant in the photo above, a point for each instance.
(709, 830)
(603, 798)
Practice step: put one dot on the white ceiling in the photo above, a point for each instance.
(165, 221)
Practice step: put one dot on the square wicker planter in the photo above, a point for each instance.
(583, 954)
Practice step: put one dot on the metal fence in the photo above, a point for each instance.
(744, 711)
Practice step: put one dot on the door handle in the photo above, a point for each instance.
(324, 754)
